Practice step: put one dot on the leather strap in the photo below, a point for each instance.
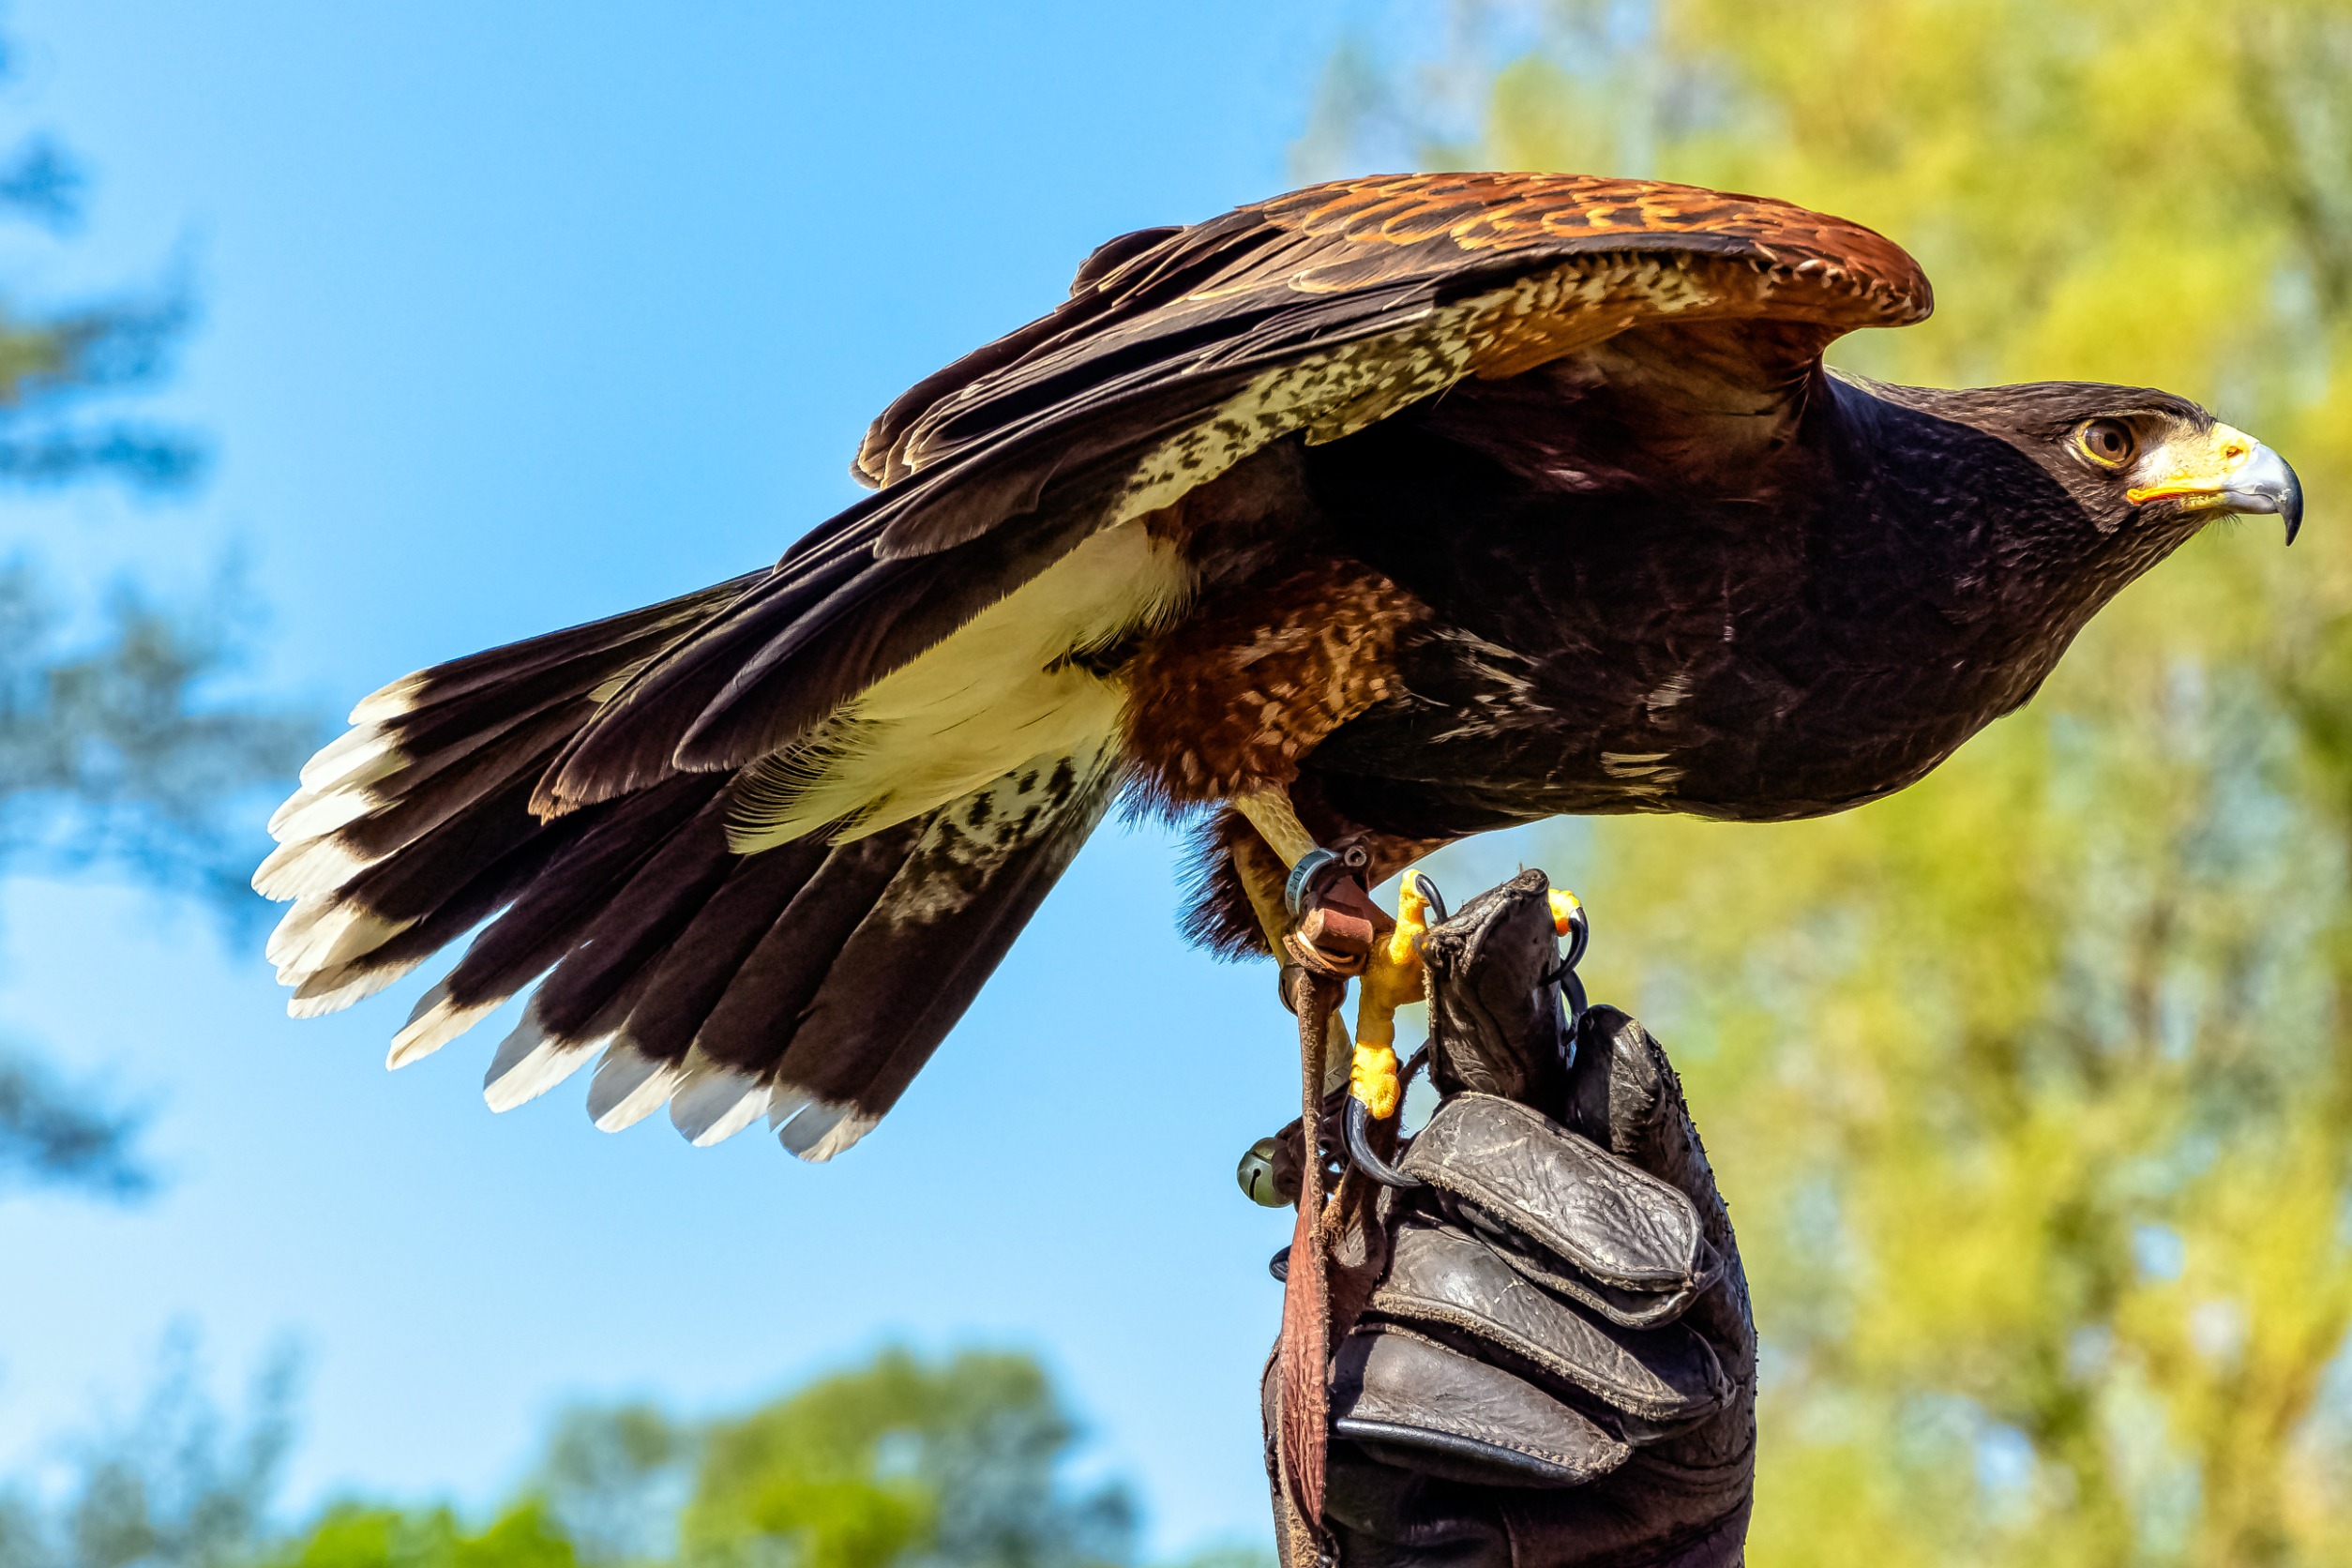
(1304, 1359)
(1335, 933)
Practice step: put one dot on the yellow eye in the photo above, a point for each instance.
(2108, 443)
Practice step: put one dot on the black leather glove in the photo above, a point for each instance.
(1557, 1366)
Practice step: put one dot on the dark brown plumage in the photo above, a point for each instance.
(1443, 501)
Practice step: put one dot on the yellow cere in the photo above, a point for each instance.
(2200, 473)
(1392, 979)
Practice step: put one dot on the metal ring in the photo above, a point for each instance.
(1304, 872)
(1359, 1125)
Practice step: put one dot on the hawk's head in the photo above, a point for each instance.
(2136, 461)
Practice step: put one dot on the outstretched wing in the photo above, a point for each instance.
(1181, 352)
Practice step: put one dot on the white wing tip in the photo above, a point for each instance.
(818, 1129)
(716, 1103)
(310, 814)
(388, 701)
(435, 1022)
(629, 1087)
(315, 937)
(307, 867)
(365, 750)
(528, 1063)
(309, 1003)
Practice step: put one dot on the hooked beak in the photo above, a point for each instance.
(2231, 473)
(2273, 489)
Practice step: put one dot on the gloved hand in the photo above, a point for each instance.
(1557, 1366)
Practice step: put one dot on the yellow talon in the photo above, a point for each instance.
(1392, 979)
(1564, 907)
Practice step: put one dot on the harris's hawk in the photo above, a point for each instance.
(1426, 504)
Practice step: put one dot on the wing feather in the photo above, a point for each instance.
(1179, 353)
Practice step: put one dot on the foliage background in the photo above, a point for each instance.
(956, 1461)
(118, 749)
(2032, 1086)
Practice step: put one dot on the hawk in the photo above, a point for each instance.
(1391, 510)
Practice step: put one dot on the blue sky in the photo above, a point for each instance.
(516, 315)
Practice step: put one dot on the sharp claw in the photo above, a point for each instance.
(1570, 920)
(1366, 1158)
(1566, 906)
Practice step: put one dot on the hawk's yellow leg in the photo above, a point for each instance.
(1392, 979)
(1264, 868)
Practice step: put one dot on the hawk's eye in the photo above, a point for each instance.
(2108, 443)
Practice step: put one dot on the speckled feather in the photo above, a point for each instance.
(1391, 248)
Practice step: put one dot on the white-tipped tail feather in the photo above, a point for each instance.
(353, 760)
(820, 1129)
(715, 1103)
(320, 934)
(528, 1064)
(672, 918)
(319, 994)
(629, 1087)
(433, 1023)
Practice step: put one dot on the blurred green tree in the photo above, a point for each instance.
(56, 1134)
(955, 1463)
(116, 747)
(614, 1478)
(898, 1462)
(178, 1484)
(359, 1535)
(2032, 1086)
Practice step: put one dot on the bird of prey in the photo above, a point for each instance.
(1389, 511)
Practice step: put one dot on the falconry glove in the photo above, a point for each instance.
(1555, 1362)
